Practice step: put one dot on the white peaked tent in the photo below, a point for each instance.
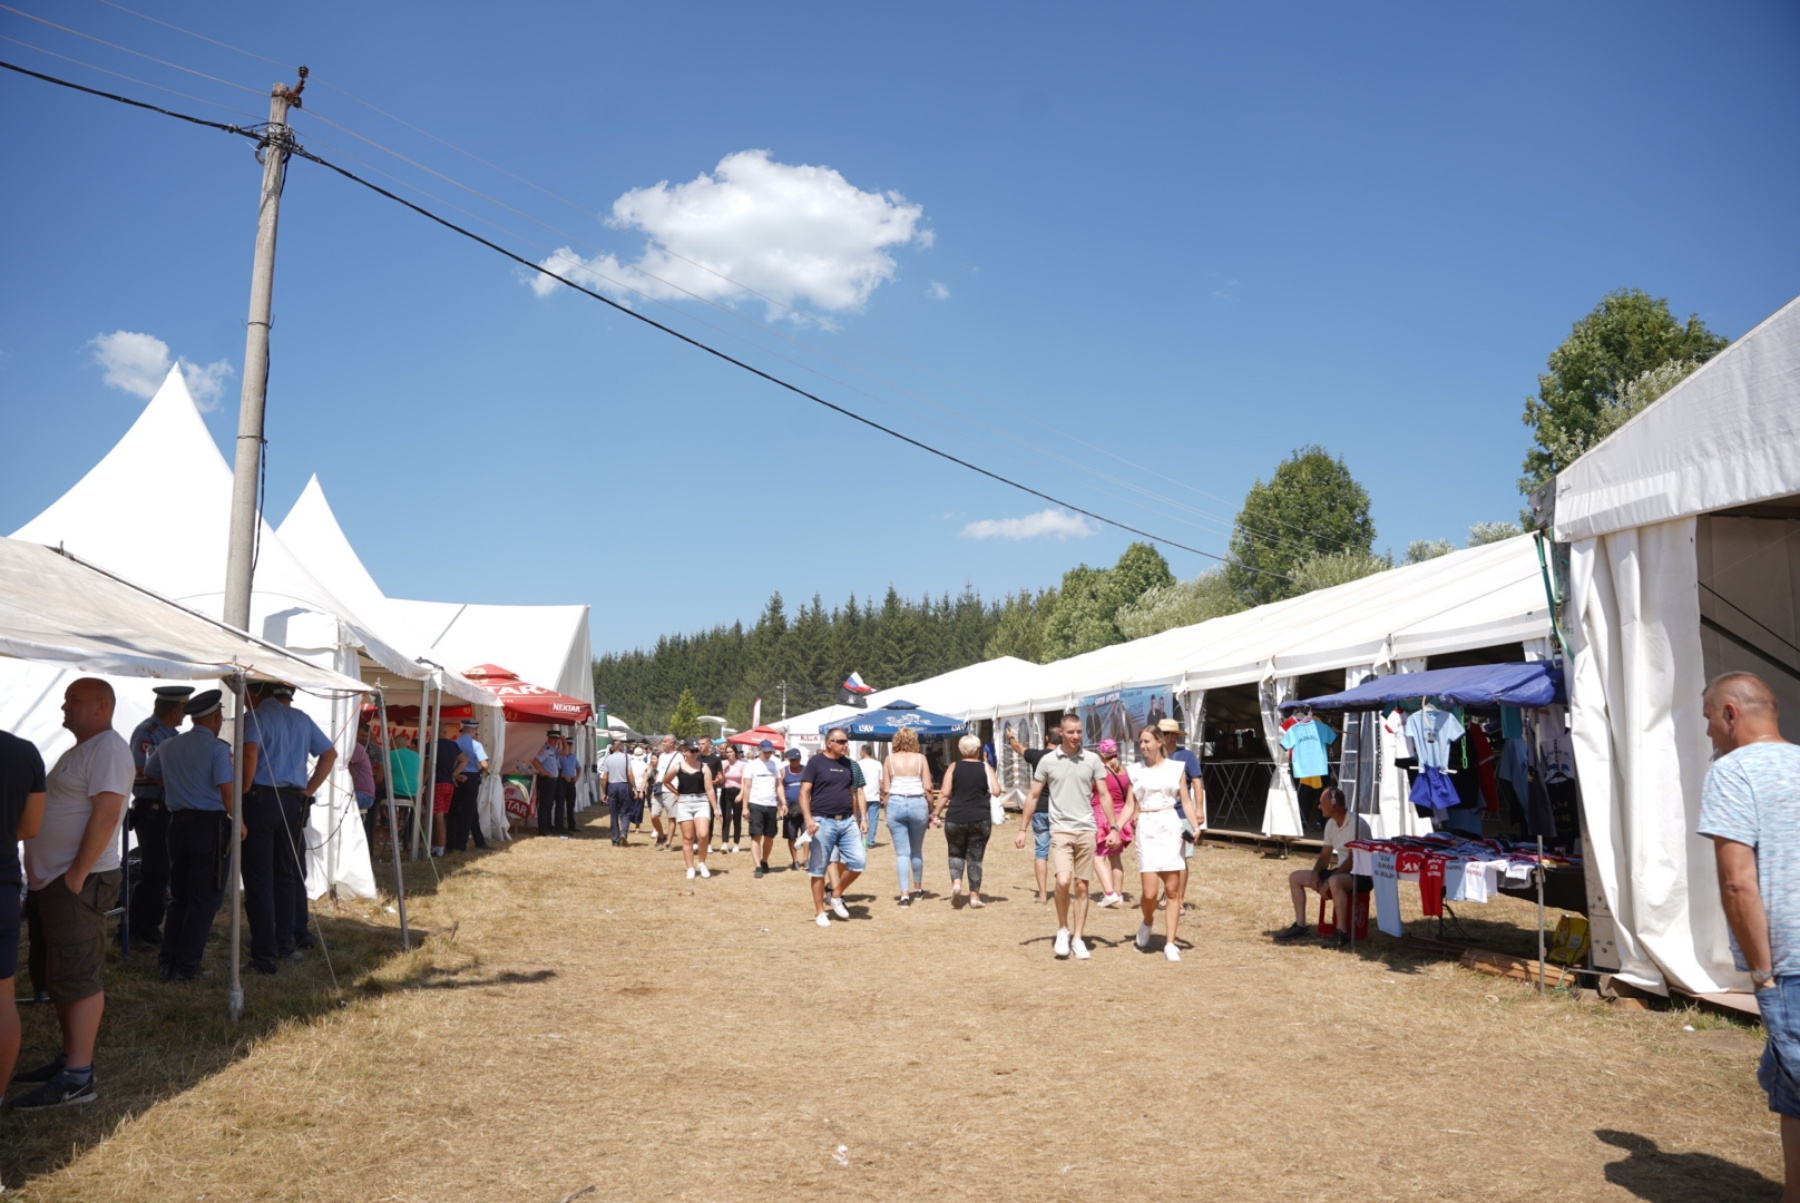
(102, 519)
(1684, 534)
(957, 693)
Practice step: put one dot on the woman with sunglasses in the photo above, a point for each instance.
(1156, 786)
(731, 808)
(696, 798)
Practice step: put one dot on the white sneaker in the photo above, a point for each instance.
(823, 920)
(1170, 952)
(1080, 947)
(1143, 936)
(1062, 943)
(704, 871)
(837, 908)
(690, 875)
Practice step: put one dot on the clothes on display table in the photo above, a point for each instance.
(1448, 868)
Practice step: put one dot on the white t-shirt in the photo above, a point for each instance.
(98, 765)
(1157, 788)
(664, 762)
(762, 782)
(871, 771)
(640, 771)
(1338, 836)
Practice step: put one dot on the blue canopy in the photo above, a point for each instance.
(1535, 684)
(880, 725)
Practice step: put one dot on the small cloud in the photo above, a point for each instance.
(1059, 524)
(138, 363)
(938, 292)
(1224, 289)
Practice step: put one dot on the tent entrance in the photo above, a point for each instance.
(1748, 562)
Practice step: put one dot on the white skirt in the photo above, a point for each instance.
(1158, 842)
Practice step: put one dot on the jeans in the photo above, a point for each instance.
(1779, 1071)
(968, 844)
(1040, 835)
(840, 836)
(907, 818)
(874, 809)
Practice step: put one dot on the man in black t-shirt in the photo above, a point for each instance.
(21, 810)
(833, 809)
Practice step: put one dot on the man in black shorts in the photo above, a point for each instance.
(21, 812)
(762, 792)
(792, 822)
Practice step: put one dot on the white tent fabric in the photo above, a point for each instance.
(959, 693)
(1726, 437)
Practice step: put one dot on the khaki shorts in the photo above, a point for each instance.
(663, 805)
(1072, 852)
(68, 936)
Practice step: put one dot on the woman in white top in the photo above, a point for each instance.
(1156, 785)
(903, 792)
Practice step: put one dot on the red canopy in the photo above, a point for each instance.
(755, 735)
(527, 703)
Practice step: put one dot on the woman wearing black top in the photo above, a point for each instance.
(965, 808)
(691, 780)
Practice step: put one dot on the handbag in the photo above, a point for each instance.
(996, 811)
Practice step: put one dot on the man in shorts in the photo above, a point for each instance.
(1750, 807)
(662, 798)
(72, 870)
(21, 813)
(762, 791)
(1040, 822)
(832, 807)
(1070, 774)
(1330, 875)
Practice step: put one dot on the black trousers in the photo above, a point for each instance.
(198, 855)
(549, 789)
(731, 819)
(565, 804)
(274, 882)
(459, 824)
(150, 882)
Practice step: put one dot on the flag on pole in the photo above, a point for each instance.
(854, 683)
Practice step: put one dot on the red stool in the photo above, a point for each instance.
(1359, 908)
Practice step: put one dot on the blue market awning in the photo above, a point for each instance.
(1535, 684)
(882, 724)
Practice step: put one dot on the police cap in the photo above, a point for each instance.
(203, 704)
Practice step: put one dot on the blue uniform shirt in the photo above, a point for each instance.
(471, 747)
(193, 766)
(570, 764)
(144, 740)
(285, 739)
(550, 760)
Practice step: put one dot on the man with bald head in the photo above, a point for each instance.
(1750, 807)
(72, 872)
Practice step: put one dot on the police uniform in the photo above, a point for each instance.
(150, 822)
(192, 767)
(570, 765)
(546, 766)
(275, 823)
(464, 818)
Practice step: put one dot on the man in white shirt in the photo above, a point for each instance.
(872, 795)
(762, 792)
(640, 783)
(1330, 876)
(662, 798)
(72, 872)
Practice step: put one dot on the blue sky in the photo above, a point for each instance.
(1191, 237)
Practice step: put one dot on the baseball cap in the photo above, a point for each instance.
(793, 754)
(767, 745)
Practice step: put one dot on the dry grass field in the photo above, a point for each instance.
(584, 1016)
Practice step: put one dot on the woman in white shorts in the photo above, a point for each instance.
(1156, 785)
(691, 781)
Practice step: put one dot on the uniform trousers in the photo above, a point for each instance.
(460, 823)
(549, 789)
(197, 859)
(150, 880)
(273, 880)
(565, 805)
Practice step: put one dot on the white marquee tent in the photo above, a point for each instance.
(1684, 559)
(955, 693)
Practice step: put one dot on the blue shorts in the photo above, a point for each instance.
(1040, 834)
(1433, 791)
(841, 837)
(1779, 1072)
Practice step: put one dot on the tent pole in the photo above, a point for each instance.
(235, 996)
(427, 764)
(387, 776)
(1540, 900)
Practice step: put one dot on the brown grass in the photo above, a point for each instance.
(598, 1020)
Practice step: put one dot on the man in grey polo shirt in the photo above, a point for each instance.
(1071, 772)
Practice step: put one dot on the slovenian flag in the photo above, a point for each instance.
(854, 683)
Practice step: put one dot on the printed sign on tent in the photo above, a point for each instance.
(1122, 713)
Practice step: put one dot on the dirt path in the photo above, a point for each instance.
(598, 1020)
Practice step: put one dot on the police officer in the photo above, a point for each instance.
(546, 773)
(194, 769)
(150, 819)
(570, 766)
(278, 740)
(465, 803)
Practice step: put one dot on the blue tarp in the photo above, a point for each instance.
(1536, 684)
(880, 725)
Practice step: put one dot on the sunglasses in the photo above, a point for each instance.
(837, 741)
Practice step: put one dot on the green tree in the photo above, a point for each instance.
(1310, 507)
(1090, 599)
(1493, 532)
(1628, 335)
(1164, 607)
(685, 722)
(1337, 568)
(1019, 626)
(1420, 550)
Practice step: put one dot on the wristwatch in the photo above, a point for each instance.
(1760, 980)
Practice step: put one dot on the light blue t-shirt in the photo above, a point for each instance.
(192, 767)
(1432, 732)
(1308, 741)
(286, 739)
(1752, 796)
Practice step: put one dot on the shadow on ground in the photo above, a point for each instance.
(1662, 1177)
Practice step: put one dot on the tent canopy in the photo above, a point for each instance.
(961, 692)
(1534, 684)
(883, 724)
(755, 736)
(528, 703)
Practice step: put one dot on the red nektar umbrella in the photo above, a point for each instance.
(528, 703)
(755, 735)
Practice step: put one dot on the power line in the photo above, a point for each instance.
(190, 33)
(142, 83)
(136, 104)
(128, 50)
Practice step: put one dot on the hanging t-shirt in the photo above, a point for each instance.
(1432, 732)
(1556, 752)
(1393, 728)
(1308, 739)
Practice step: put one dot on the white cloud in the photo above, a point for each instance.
(138, 363)
(801, 235)
(938, 292)
(1059, 524)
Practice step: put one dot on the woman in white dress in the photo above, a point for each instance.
(1156, 785)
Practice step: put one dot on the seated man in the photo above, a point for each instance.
(1330, 876)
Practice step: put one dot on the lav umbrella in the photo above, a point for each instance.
(881, 725)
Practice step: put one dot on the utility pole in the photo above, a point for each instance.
(240, 549)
